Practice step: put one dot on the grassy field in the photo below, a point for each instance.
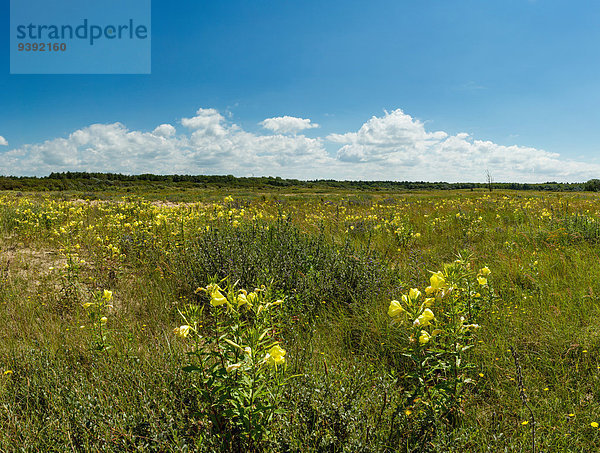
(92, 290)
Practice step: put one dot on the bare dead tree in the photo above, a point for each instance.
(489, 179)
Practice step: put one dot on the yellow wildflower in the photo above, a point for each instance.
(424, 337)
(429, 301)
(217, 298)
(395, 309)
(414, 293)
(425, 318)
(275, 356)
(437, 282)
(233, 367)
(252, 298)
(241, 299)
(182, 331)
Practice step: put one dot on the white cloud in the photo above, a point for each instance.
(287, 124)
(393, 146)
(208, 120)
(164, 130)
(213, 146)
(394, 138)
(3, 141)
(398, 147)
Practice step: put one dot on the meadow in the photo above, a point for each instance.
(300, 320)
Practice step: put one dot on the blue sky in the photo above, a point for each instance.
(520, 77)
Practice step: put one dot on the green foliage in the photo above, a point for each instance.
(593, 185)
(97, 311)
(309, 269)
(101, 182)
(356, 372)
(581, 227)
(441, 330)
(238, 363)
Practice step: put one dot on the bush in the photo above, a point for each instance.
(309, 269)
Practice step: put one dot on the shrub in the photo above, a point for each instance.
(238, 363)
(309, 269)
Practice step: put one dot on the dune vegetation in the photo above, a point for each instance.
(300, 320)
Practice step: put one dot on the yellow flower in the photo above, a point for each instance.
(233, 367)
(241, 299)
(437, 282)
(395, 309)
(414, 293)
(594, 424)
(482, 281)
(429, 301)
(107, 295)
(425, 318)
(485, 271)
(407, 412)
(182, 331)
(524, 422)
(252, 298)
(275, 356)
(103, 320)
(424, 337)
(217, 298)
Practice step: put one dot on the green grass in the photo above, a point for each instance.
(338, 261)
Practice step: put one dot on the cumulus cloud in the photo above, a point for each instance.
(397, 146)
(164, 130)
(208, 120)
(212, 145)
(3, 141)
(393, 146)
(395, 138)
(287, 124)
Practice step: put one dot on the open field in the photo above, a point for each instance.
(91, 291)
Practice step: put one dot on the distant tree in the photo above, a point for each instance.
(593, 185)
(489, 179)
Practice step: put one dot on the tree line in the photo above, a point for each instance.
(111, 181)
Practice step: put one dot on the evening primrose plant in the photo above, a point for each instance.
(440, 323)
(97, 311)
(237, 360)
